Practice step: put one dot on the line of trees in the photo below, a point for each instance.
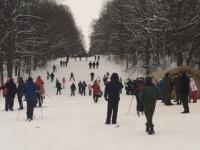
(153, 32)
(33, 32)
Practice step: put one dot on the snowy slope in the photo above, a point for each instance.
(76, 123)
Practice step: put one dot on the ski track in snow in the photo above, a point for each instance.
(76, 123)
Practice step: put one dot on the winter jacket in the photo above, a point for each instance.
(10, 89)
(149, 94)
(40, 86)
(193, 85)
(58, 85)
(96, 89)
(73, 87)
(112, 91)
(20, 89)
(30, 91)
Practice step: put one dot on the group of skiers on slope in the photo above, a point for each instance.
(34, 93)
(95, 63)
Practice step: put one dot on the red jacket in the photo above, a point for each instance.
(96, 88)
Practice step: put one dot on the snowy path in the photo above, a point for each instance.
(76, 123)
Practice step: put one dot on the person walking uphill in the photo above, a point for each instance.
(149, 94)
(30, 97)
(96, 91)
(184, 92)
(112, 95)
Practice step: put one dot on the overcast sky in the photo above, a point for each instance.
(84, 12)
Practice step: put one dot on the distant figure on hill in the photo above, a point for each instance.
(97, 64)
(73, 89)
(71, 76)
(93, 64)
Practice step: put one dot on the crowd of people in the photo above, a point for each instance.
(145, 91)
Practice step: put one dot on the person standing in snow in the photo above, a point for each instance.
(112, 95)
(79, 87)
(98, 58)
(193, 89)
(9, 91)
(73, 89)
(96, 91)
(92, 76)
(20, 93)
(93, 64)
(58, 87)
(90, 64)
(40, 90)
(184, 92)
(84, 85)
(167, 89)
(30, 97)
(148, 95)
(52, 77)
(97, 65)
(54, 68)
(48, 75)
(139, 85)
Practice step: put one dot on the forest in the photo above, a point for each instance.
(149, 33)
(33, 32)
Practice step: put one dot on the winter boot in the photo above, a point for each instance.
(151, 131)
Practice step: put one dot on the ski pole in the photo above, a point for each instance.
(130, 105)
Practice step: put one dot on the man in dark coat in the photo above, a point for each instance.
(30, 96)
(52, 77)
(149, 94)
(73, 89)
(93, 64)
(58, 87)
(11, 90)
(112, 95)
(184, 92)
(84, 85)
(167, 89)
(97, 64)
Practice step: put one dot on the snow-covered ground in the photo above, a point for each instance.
(76, 123)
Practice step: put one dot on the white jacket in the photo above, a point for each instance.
(193, 85)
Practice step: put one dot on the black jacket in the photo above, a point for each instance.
(112, 91)
(185, 85)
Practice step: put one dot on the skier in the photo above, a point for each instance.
(84, 85)
(20, 92)
(73, 89)
(30, 97)
(66, 63)
(61, 63)
(40, 91)
(97, 64)
(58, 87)
(54, 68)
(149, 95)
(92, 76)
(52, 77)
(96, 91)
(93, 64)
(71, 76)
(9, 91)
(90, 64)
(184, 91)
(95, 57)
(193, 89)
(139, 85)
(63, 82)
(112, 95)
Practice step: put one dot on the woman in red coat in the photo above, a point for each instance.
(96, 91)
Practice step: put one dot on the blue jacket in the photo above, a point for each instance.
(30, 91)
